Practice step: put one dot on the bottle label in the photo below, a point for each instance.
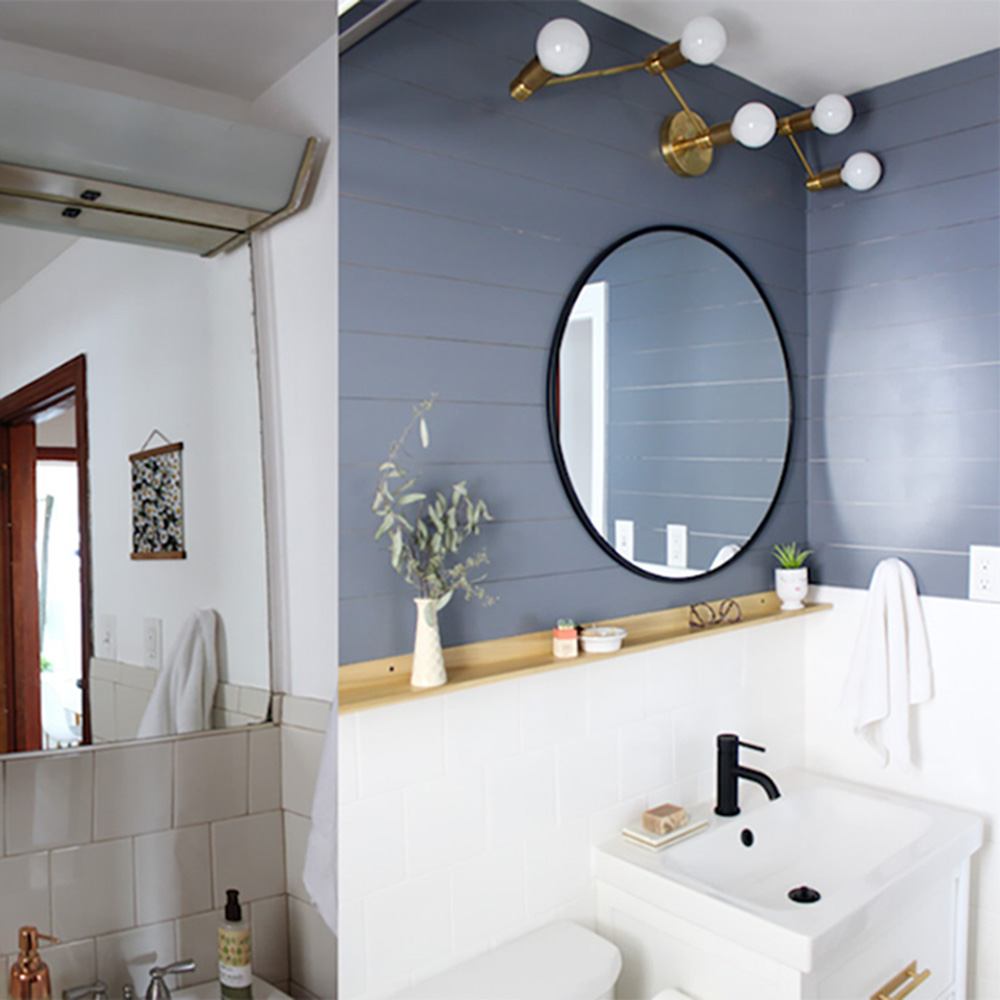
(234, 958)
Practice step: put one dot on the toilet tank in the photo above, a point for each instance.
(561, 961)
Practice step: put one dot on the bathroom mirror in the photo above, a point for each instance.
(167, 343)
(669, 403)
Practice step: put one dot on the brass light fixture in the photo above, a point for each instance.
(686, 141)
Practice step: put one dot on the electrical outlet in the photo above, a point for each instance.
(152, 642)
(625, 538)
(107, 637)
(984, 573)
(677, 545)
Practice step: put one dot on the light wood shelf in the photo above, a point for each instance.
(374, 683)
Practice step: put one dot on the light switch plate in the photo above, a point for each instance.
(984, 573)
(677, 546)
(152, 642)
(107, 637)
(625, 538)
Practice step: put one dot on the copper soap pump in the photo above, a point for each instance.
(29, 975)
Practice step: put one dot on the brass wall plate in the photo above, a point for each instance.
(676, 138)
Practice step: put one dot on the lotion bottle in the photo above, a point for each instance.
(235, 972)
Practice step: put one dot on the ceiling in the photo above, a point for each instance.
(803, 49)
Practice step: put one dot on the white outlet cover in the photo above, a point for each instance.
(107, 637)
(984, 573)
(152, 642)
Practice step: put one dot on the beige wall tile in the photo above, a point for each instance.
(247, 854)
(130, 703)
(70, 965)
(265, 769)
(128, 957)
(92, 889)
(300, 752)
(306, 713)
(210, 778)
(197, 938)
(269, 938)
(24, 896)
(48, 801)
(296, 837)
(133, 789)
(173, 874)
(102, 709)
(312, 950)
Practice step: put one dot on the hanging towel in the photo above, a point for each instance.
(320, 873)
(182, 697)
(891, 666)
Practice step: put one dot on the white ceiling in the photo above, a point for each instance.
(803, 49)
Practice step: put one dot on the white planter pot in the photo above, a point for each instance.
(791, 585)
(428, 659)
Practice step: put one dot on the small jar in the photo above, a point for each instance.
(565, 639)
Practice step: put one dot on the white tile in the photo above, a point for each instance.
(130, 704)
(347, 757)
(445, 821)
(102, 709)
(646, 755)
(133, 789)
(73, 964)
(984, 932)
(24, 895)
(300, 756)
(617, 691)
(255, 702)
(522, 796)
(173, 874)
(48, 801)
(557, 866)
(554, 707)
(296, 838)
(197, 939)
(128, 957)
(269, 938)
(265, 769)
(312, 950)
(227, 696)
(488, 896)
(672, 674)
(587, 775)
(371, 845)
(481, 724)
(306, 713)
(92, 889)
(108, 670)
(210, 778)
(407, 926)
(400, 745)
(351, 969)
(608, 823)
(134, 676)
(248, 854)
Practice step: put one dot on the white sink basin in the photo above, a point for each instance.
(865, 851)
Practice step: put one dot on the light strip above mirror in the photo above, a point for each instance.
(686, 141)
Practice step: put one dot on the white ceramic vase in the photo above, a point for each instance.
(428, 659)
(791, 586)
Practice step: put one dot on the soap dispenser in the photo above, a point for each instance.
(235, 972)
(29, 975)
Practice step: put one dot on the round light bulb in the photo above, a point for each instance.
(832, 114)
(753, 125)
(861, 171)
(562, 46)
(703, 40)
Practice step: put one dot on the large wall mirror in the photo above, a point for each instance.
(166, 343)
(669, 403)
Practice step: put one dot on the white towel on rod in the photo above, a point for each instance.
(184, 692)
(320, 873)
(891, 666)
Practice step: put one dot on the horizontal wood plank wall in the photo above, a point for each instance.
(465, 220)
(904, 335)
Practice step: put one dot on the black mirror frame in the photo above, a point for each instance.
(551, 397)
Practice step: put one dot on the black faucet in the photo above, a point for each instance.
(729, 771)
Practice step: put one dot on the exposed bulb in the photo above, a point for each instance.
(703, 40)
(832, 114)
(861, 171)
(753, 125)
(562, 46)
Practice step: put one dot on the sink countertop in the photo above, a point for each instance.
(212, 991)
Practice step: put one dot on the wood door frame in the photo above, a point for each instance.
(22, 406)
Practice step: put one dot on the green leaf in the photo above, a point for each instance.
(410, 498)
(425, 435)
(386, 524)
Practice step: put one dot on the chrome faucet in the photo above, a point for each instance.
(729, 771)
(157, 984)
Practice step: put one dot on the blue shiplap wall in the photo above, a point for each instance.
(465, 220)
(904, 335)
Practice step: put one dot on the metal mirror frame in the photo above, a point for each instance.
(551, 397)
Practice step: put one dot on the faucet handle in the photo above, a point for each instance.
(98, 990)
(753, 746)
(158, 989)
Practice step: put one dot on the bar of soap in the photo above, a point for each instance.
(664, 818)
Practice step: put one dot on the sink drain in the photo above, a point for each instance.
(803, 894)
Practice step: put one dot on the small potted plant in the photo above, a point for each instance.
(425, 534)
(791, 578)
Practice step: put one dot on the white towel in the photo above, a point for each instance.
(182, 697)
(320, 873)
(891, 666)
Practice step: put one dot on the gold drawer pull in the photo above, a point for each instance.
(909, 976)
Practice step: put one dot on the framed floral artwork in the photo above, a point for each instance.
(157, 503)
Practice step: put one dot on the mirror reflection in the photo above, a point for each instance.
(110, 349)
(669, 403)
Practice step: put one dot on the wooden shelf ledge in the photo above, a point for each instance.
(374, 683)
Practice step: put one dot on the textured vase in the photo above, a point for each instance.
(428, 659)
(791, 586)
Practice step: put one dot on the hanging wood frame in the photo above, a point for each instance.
(158, 503)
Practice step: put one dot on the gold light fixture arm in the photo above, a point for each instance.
(594, 74)
(802, 156)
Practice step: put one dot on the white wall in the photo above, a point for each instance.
(468, 818)
(169, 342)
(956, 759)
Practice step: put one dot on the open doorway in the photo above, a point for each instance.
(44, 563)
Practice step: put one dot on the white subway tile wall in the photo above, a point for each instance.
(468, 818)
(111, 849)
